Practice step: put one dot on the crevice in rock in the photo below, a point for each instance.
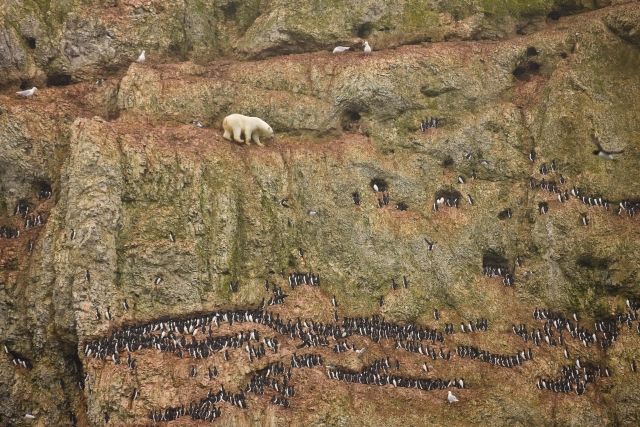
(494, 258)
(30, 42)
(592, 262)
(364, 30)
(349, 119)
(59, 79)
(525, 70)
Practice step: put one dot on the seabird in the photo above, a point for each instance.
(451, 398)
(334, 302)
(532, 155)
(470, 199)
(87, 276)
(367, 48)
(172, 236)
(72, 235)
(584, 220)
(543, 207)
(340, 49)
(601, 152)
(402, 206)
(125, 305)
(27, 93)
(429, 244)
(142, 57)
(355, 196)
(157, 280)
(460, 179)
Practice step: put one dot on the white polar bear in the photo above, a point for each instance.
(251, 127)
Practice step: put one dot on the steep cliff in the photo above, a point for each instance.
(143, 216)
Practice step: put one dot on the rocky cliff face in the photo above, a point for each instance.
(128, 213)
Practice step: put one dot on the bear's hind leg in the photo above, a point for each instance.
(236, 135)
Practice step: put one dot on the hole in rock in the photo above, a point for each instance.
(554, 15)
(31, 42)
(592, 262)
(349, 118)
(230, 10)
(525, 70)
(25, 84)
(447, 162)
(532, 51)
(492, 258)
(364, 30)
(58, 79)
(449, 195)
(379, 184)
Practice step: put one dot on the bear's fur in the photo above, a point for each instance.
(251, 127)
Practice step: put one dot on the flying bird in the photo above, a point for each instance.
(27, 93)
(601, 152)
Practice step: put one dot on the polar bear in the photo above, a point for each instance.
(251, 127)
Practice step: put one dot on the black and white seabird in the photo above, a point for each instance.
(470, 199)
(355, 196)
(532, 155)
(601, 152)
(543, 207)
(429, 244)
(402, 206)
(172, 236)
(583, 219)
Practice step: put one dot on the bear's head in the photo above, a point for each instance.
(268, 131)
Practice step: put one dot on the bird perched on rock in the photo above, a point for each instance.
(27, 93)
(142, 57)
(601, 152)
(367, 48)
(451, 398)
(340, 49)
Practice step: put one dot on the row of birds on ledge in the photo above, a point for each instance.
(27, 93)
